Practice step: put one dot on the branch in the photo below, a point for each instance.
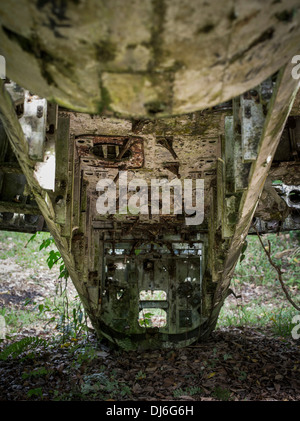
(278, 270)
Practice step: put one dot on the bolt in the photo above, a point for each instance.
(39, 111)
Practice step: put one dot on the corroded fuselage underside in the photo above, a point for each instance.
(129, 265)
(154, 65)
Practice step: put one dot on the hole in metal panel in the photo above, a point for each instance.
(153, 295)
(111, 153)
(294, 196)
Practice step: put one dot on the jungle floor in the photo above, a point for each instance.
(244, 360)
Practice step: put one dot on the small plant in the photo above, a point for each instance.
(93, 383)
(15, 349)
(194, 390)
(145, 320)
(35, 373)
(227, 357)
(282, 322)
(108, 387)
(35, 392)
(221, 394)
(83, 355)
(178, 392)
(54, 256)
(189, 391)
(140, 375)
(243, 376)
(72, 320)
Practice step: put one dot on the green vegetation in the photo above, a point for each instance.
(100, 385)
(256, 268)
(16, 319)
(64, 318)
(47, 336)
(25, 252)
(26, 344)
(189, 391)
(262, 301)
(221, 393)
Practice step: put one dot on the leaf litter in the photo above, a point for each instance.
(236, 363)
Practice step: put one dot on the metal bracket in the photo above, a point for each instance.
(33, 122)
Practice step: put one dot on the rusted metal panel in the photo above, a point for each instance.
(110, 151)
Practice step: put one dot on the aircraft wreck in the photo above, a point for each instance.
(150, 91)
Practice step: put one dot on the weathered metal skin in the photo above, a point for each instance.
(154, 117)
(113, 258)
(149, 58)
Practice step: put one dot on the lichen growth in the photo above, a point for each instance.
(104, 103)
(106, 51)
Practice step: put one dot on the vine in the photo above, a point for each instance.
(277, 268)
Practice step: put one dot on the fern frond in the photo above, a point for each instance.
(15, 349)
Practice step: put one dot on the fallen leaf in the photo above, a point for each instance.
(277, 387)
